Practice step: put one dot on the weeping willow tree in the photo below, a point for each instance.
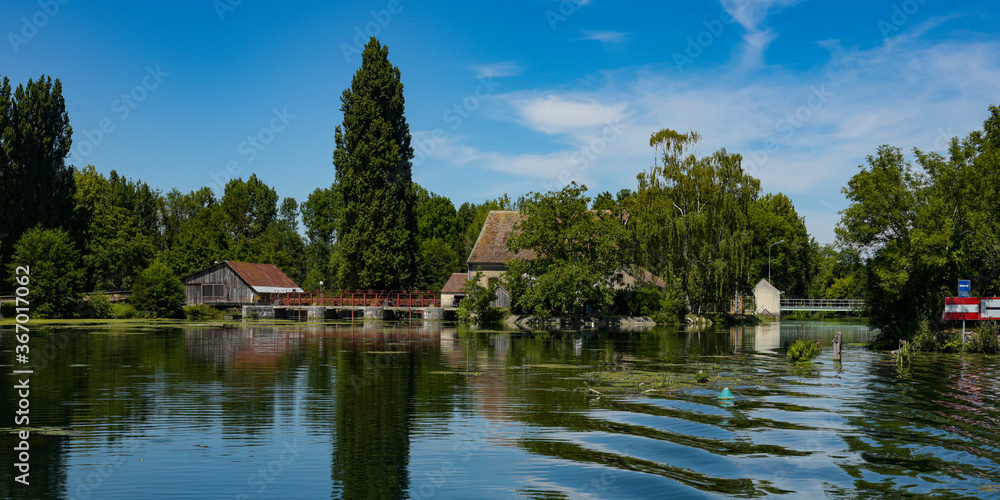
(690, 219)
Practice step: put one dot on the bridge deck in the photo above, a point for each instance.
(833, 305)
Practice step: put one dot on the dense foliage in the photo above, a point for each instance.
(36, 186)
(578, 254)
(922, 229)
(690, 217)
(158, 292)
(53, 264)
(377, 224)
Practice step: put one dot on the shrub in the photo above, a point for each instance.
(124, 311)
(7, 309)
(55, 279)
(645, 302)
(158, 291)
(202, 312)
(672, 307)
(477, 302)
(97, 306)
(984, 338)
(803, 350)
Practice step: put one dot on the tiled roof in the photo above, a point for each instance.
(455, 283)
(491, 247)
(263, 276)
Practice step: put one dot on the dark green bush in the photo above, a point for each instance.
(158, 291)
(97, 306)
(124, 310)
(645, 302)
(201, 312)
(7, 309)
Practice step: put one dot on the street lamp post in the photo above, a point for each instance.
(321, 290)
(769, 259)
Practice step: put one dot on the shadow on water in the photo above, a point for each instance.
(390, 410)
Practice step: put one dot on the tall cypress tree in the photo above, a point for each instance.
(378, 227)
(36, 186)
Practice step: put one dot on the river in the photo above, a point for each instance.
(397, 410)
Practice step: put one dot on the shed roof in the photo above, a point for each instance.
(455, 283)
(263, 278)
(765, 284)
(491, 246)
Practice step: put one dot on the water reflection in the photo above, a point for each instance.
(419, 410)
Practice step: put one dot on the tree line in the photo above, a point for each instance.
(699, 223)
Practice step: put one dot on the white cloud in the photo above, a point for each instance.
(605, 36)
(752, 16)
(554, 114)
(497, 70)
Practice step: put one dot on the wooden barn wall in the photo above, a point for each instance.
(235, 289)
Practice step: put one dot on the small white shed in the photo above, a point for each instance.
(767, 298)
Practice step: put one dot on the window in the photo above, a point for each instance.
(213, 292)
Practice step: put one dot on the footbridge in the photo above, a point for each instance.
(832, 305)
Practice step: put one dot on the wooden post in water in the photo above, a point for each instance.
(836, 346)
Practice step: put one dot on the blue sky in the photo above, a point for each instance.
(512, 97)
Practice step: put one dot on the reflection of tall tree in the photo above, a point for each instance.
(375, 397)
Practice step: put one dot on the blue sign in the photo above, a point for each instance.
(964, 288)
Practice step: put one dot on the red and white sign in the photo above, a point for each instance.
(957, 308)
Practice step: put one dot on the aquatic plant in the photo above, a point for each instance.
(701, 377)
(803, 350)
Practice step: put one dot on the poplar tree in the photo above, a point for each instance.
(377, 227)
(36, 186)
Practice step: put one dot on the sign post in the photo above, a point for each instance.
(964, 290)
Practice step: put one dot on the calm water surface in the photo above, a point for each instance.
(431, 411)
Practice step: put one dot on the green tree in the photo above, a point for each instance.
(605, 201)
(121, 220)
(36, 186)
(577, 254)
(249, 207)
(320, 213)
(201, 238)
(56, 279)
(377, 230)
(158, 291)
(438, 261)
(690, 218)
(772, 219)
(920, 230)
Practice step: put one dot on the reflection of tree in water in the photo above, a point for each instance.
(380, 381)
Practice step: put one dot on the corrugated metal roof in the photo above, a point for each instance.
(263, 276)
(491, 246)
(455, 283)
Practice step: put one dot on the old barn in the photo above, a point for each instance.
(231, 283)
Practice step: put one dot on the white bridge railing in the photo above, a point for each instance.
(822, 304)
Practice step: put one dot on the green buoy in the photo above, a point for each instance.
(725, 394)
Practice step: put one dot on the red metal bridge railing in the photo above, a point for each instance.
(359, 298)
